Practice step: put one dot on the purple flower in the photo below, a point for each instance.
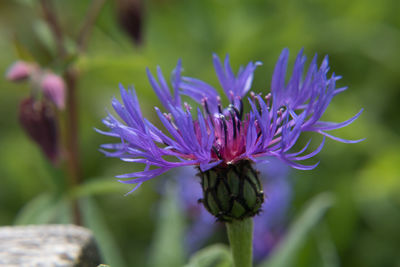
(216, 136)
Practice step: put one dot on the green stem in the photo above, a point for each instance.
(240, 234)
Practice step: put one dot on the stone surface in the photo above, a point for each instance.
(48, 245)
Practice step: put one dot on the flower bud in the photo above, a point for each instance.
(39, 121)
(232, 192)
(53, 87)
(130, 17)
(19, 71)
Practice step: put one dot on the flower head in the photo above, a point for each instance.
(217, 137)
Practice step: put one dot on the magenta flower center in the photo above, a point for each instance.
(230, 133)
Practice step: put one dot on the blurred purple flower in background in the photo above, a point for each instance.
(201, 223)
(269, 225)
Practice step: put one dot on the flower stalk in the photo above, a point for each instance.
(71, 78)
(240, 235)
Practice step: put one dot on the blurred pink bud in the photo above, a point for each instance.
(19, 71)
(53, 87)
(39, 121)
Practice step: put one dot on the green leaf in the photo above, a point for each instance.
(94, 220)
(167, 249)
(213, 256)
(45, 208)
(43, 32)
(326, 246)
(98, 186)
(299, 231)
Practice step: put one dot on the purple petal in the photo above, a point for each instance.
(328, 126)
(340, 139)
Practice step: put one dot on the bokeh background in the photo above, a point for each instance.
(362, 39)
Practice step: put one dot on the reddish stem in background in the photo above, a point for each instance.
(72, 140)
(91, 16)
(71, 78)
(51, 19)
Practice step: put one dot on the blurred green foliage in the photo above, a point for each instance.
(362, 38)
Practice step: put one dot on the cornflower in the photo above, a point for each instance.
(224, 142)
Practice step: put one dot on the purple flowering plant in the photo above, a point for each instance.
(225, 142)
(224, 136)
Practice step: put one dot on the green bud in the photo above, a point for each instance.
(232, 192)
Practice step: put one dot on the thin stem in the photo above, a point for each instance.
(51, 19)
(71, 79)
(72, 146)
(240, 235)
(72, 140)
(72, 127)
(91, 16)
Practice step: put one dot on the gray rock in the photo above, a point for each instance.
(48, 245)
